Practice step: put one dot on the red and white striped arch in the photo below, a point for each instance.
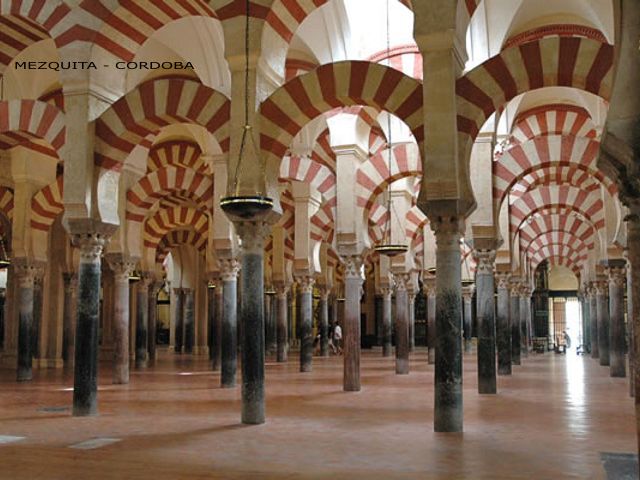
(285, 16)
(556, 237)
(46, 205)
(25, 22)
(306, 170)
(21, 121)
(553, 119)
(546, 156)
(415, 220)
(577, 176)
(349, 83)
(379, 171)
(560, 252)
(172, 179)
(405, 58)
(6, 202)
(121, 27)
(549, 62)
(165, 220)
(547, 221)
(588, 204)
(183, 153)
(152, 105)
(176, 238)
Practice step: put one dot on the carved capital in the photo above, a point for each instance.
(305, 283)
(429, 286)
(402, 281)
(27, 271)
(252, 235)
(386, 291)
(229, 269)
(601, 287)
(617, 276)
(485, 260)
(90, 245)
(353, 266)
(282, 289)
(514, 287)
(467, 292)
(502, 279)
(121, 265)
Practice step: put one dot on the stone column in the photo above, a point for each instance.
(593, 310)
(430, 292)
(324, 322)
(122, 267)
(503, 327)
(271, 324)
(179, 320)
(467, 297)
(486, 311)
(351, 328)
(229, 269)
(524, 352)
(214, 325)
(26, 274)
(412, 319)
(617, 342)
(631, 329)
(633, 241)
(387, 327)
(142, 321)
(154, 289)
(68, 320)
(305, 300)
(36, 325)
(448, 414)
(602, 304)
(189, 320)
(85, 385)
(586, 319)
(402, 323)
(282, 325)
(514, 313)
(252, 236)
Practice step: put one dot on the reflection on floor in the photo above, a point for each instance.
(551, 419)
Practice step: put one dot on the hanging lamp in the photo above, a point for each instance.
(386, 247)
(246, 207)
(5, 261)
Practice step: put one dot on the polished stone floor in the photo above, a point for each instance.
(550, 420)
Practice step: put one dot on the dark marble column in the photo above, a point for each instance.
(617, 342)
(633, 257)
(448, 413)
(154, 289)
(486, 312)
(412, 317)
(85, 385)
(402, 323)
(26, 273)
(586, 318)
(602, 304)
(270, 327)
(178, 320)
(36, 325)
(387, 328)
(351, 328)
(252, 236)
(430, 292)
(142, 321)
(214, 322)
(524, 306)
(122, 267)
(514, 313)
(68, 318)
(282, 323)
(467, 318)
(305, 300)
(323, 305)
(593, 311)
(229, 269)
(630, 329)
(189, 320)
(503, 327)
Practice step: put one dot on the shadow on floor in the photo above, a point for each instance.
(620, 466)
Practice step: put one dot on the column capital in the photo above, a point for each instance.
(617, 275)
(252, 235)
(282, 289)
(352, 266)
(601, 286)
(386, 291)
(429, 286)
(305, 283)
(503, 279)
(121, 265)
(514, 287)
(401, 280)
(90, 245)
(70, 280)
(229, 269)
(27, 271)
(448, 225)
(485, 260)
(525, 291)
